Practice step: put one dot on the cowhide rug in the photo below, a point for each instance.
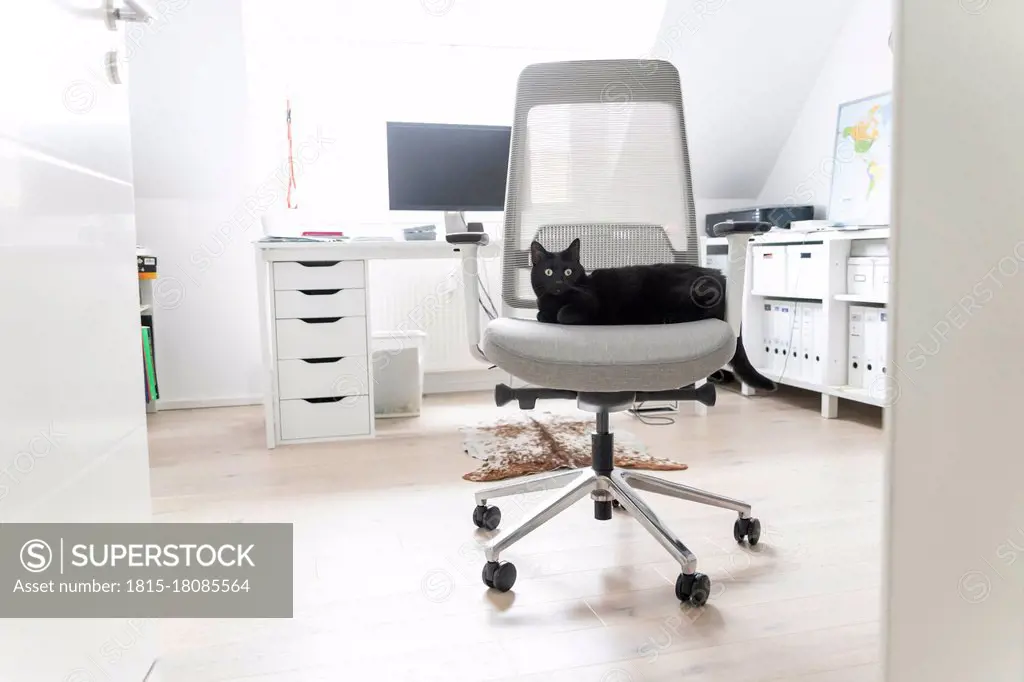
(539, 442)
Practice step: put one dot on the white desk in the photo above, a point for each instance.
(315, 334)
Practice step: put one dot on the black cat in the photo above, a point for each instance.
(664, 293)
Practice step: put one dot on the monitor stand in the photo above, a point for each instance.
(455, 222)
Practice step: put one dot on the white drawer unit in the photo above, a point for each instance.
(322, 378)
(325, 417)
(319, 382)
(331, 337)
(306, 275)
(318, 348)
(319, 303)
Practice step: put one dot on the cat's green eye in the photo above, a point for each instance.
(549, 272)
(568, 272)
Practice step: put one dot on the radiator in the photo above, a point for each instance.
(427, 295)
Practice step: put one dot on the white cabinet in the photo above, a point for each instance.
(814, 313)
(319, 338)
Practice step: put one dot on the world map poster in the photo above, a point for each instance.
(862, 163)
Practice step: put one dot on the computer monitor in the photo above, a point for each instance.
(447, 167)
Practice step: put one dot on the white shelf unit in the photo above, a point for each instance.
(827, 287)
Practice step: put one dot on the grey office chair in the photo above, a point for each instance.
(599, 152)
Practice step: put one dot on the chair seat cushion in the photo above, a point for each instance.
(609, 358)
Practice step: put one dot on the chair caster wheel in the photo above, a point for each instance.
(486, 517)
(501, 575)
(693, 589)
(747, 528)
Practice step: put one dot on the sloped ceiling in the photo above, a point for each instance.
(746, 67)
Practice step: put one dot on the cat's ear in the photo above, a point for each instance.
(574, 250)
(537, 252)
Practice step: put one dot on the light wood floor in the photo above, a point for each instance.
(387, 563)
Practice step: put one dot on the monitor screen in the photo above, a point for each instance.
(443, 167)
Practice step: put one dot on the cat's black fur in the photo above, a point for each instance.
(639, 294)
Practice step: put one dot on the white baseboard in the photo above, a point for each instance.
(462, 381)
(162, 405)
(433, 382)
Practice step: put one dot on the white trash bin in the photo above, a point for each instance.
(398, 373)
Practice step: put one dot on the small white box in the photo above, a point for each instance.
(881, 279)
(806, 270)
(398, 373)
(860, 276)
(769, 270)
(868, 276)
(856, 348)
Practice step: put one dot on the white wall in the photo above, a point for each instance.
(209, 86)
(746, 67)
(207, 102)
(955, 578)
(859, 64)
(188, 105)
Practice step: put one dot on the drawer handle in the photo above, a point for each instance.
(337, 399)
(319, 292)
(314, 361)
(319, 320)
(805, 255)
(318, 263)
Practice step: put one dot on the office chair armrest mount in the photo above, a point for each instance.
(738, 233)
(470, 253)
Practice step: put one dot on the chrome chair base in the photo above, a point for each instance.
(605, 485)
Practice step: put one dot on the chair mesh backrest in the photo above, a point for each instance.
(598, 152)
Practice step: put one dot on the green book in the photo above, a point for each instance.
(147, 345)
